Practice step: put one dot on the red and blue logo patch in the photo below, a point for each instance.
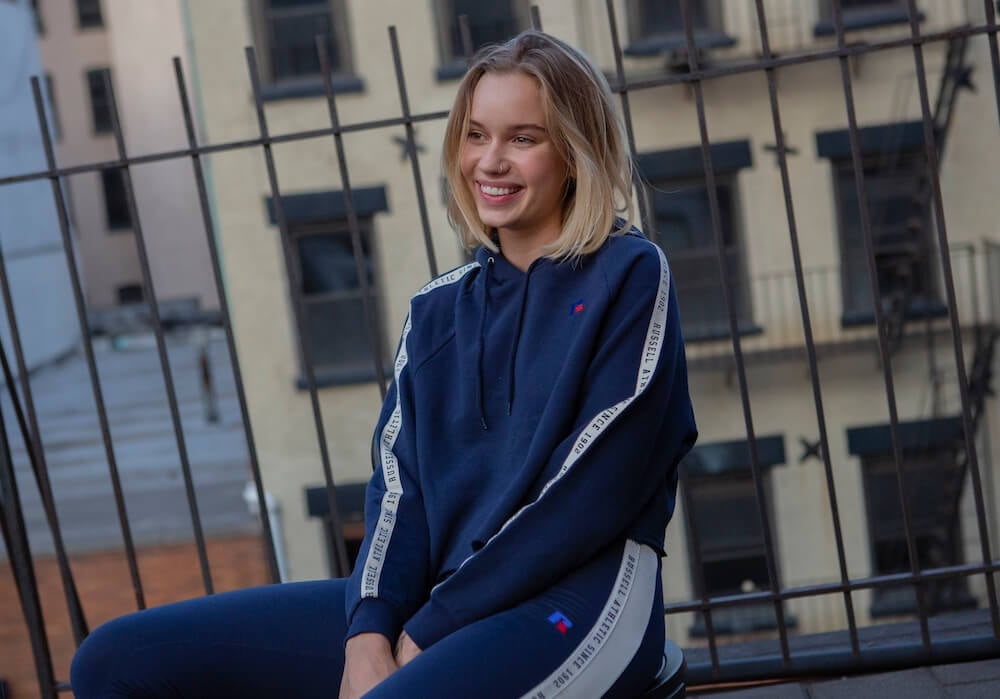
(559, 620)
(577, 307)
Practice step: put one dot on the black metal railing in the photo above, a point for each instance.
(791, 311)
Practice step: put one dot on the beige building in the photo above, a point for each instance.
(78, 40)
(754, 229)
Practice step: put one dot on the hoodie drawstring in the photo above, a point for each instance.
(519, 322)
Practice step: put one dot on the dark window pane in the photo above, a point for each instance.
(100, 104)
(328, 263)
(291, 28)
(489, 23)
(664, 16)
(115, 201)
(88, 13)
(899, 217)
(130, 293)
(338, 339)
(863, 4)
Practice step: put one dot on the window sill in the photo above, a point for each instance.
(866, 19)
(903, 602)
(719, 331)
(341, 376)
(454, 70)
(923, 310)
(117, 230)
(677, 41)
(310, 87)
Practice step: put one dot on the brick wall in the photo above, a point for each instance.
(169, 573)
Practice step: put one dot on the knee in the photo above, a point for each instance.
(94, 669)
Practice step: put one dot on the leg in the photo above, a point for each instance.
(277, 640)
(597, 633)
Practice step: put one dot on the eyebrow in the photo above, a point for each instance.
(515, 127)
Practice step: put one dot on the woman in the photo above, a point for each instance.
(525, 456)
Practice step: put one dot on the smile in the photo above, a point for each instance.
(498, 191)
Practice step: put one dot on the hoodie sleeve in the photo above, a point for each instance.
(634, 425)
(390, 577)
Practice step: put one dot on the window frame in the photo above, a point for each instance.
(881, 14)
(743, 292)
(899, 600)
(853, 313)
(330, 374)
(740, 619)
(99, 104)
(642, 42)
(451, 59)
(310, 85)
(96, 15)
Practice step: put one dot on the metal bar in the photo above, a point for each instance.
(36, 456)
(149, 293)
(837, 662)
(642, 194)
(991, 34)
(341, 562)
(16, 537)
(882, 334)
(786, 188)
(698, 570)
(227, 323)
(634, 86)
(972, 458)
(817, 590)
(88, 350)
(713, 205)
(411, 151)
(536, 18)
(367, 296)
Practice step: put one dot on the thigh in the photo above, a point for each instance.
(597, 633)
(277, 640)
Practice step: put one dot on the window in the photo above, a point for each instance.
(286, 39)
(931, 480)
(333, 305)
(54, 122)
(88, 14)
(100, 101)
(684, 226)
(733, 558)
(656, 26)
(129, 294)
(489, 23)
(900, 219)
(115, 200)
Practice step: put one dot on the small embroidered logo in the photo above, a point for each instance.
(577, 307)
(559, 620)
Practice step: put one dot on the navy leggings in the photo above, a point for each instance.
(597, 633)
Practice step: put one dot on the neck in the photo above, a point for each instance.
(521, 248)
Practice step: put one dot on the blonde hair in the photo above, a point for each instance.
(585, 129)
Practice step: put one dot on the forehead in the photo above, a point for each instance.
(504, 98)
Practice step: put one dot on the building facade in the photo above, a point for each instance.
(33, 255)
(317, 263)
(80, 42)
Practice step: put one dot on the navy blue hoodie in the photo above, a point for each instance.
(534, 418)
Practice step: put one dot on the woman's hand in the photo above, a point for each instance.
(406, 650)
(367, 661)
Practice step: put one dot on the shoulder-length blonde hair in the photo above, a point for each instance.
(585, 129)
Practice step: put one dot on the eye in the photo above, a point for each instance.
(475, 136)
(523, 140)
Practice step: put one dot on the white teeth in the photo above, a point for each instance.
(497, 191)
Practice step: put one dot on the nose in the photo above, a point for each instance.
(492, 160)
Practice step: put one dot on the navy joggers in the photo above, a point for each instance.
(598, 633)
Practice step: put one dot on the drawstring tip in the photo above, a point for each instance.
(482, 421)
(510, 408)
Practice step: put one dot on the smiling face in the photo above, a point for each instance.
(510, 163)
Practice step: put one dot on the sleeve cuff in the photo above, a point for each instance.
(430, 624)
(373, 615)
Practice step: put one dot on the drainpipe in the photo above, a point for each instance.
(274, 515)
